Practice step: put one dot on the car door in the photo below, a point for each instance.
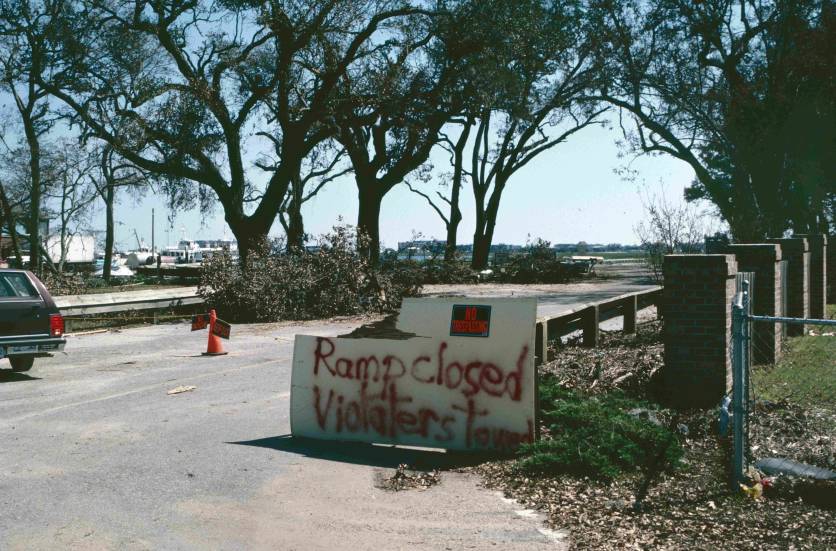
(22, 309)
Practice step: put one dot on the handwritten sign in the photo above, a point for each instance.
(434, 389)
(221, 329)
(200, 322)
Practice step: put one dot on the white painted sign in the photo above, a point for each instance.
(463, 382)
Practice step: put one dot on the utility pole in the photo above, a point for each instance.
(153, 247)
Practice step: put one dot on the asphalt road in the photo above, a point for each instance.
(614, 279)
(96, 455)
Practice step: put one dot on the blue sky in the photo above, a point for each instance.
(568, 194)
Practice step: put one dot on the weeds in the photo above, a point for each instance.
(595, 436)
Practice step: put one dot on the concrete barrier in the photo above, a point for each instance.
(108, 303)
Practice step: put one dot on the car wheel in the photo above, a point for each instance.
(21, 363)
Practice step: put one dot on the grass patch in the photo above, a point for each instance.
(806, 374)
(594, 436)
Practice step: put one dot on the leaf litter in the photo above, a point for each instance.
(692, 508)
(405, 478)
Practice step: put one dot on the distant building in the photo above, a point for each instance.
(422, 244)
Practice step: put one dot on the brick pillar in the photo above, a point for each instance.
(796, 251)
(763, 259)
(817, 243)
(698, 294)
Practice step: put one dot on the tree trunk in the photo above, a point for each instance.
(368, 219)
(452, 233)
(453, 223)
(485, 224)
(251, 235)
(479, 258)
(108, 254)
(481, 248)
(456, 212)
(62, 257)
(35, 193)
(295, 225)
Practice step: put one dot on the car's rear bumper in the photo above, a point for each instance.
(24, 345)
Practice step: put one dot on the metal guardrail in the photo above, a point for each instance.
(585, 318)
(109, 303)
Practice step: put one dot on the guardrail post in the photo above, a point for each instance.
(589, 320)
(552, 335)
(659, 302)
(540, 345)
(630, 309)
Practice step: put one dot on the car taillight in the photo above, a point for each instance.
(56, 325)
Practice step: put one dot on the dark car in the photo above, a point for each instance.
(30, 323)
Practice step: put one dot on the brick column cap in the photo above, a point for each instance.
(728, 261)
(766, 251)
(794, 245)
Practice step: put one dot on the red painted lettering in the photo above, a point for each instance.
(448, 431)
(472, 414)
(513, 383)
(453, 368)
(322, 416)
(490, 378)
(474, 380)
(320, 356)
(414, 371)
(362, 368)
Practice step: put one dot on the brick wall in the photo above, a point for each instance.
(818, 273)
(697, 301)
(763, 259)
(796, 250)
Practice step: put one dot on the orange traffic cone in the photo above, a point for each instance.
(214, 347)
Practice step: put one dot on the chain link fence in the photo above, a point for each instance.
(746, 345)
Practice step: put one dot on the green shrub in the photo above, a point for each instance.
(594, 436)
(333, 281)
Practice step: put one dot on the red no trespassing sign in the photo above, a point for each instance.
(471, 321)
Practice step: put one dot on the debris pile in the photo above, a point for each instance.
(631, 363)
(405, 478)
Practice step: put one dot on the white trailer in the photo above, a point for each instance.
(80, 249)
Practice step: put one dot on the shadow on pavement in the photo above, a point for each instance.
(369, 454)
(9, 376)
